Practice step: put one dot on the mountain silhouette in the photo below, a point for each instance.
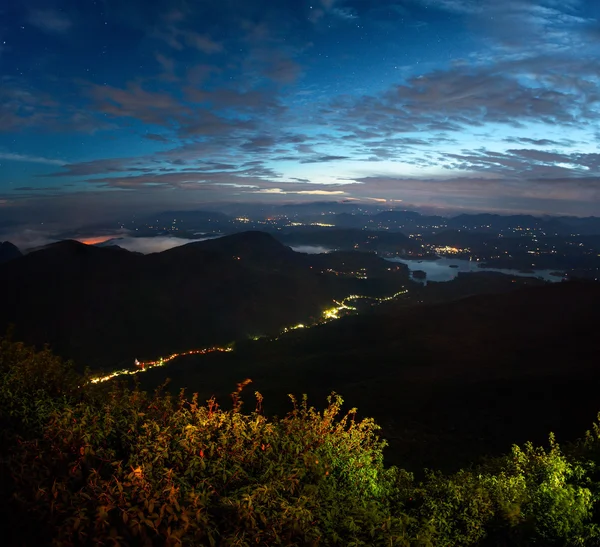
(105, 306)
(8, 251)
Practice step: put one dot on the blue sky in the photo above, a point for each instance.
(462, 105)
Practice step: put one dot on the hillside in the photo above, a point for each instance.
(447, 381)
(85, 464)
(8, 251)
(77, 297)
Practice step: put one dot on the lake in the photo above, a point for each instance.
(446, 269)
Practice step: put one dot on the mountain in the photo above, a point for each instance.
(104, 307)
(581, 225)
(350, 239)
(448, 382)
(166, 218)
(319, 207)
(8, 251)
(252, 245)
(562, 225)
(408, 220)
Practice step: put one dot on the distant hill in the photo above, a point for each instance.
(166, 218)
(106, 306)
(252, 245)
(8, 251)
(562, 225)
(345, 239)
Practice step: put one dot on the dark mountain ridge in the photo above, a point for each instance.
(76, 297)
(8, 251)
(252, 245)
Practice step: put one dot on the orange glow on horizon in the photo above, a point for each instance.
(94, 240)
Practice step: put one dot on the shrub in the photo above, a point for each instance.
(108, 465)
(541, 497)
(130, 468)
(33, 384)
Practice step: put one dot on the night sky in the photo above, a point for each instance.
(137, 105)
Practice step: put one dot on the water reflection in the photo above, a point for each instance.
(446, 269)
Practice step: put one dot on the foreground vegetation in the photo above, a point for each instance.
(106, 465)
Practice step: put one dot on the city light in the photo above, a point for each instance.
(161, 361)
(450, 250)
(327, 315)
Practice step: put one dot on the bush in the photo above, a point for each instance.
(107, 465)
(137, 469)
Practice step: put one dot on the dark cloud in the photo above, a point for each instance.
(260, 143)
(156, 137)
(94, 167)
(282, 70)
(537, 164)
(25, 107)
(155, 108)
(323, 158)
(539, 142)
(233, 99)
(207, 124)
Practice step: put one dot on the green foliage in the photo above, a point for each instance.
(452, 510)
(32, 385)
(125, 467)
(555, 507)
(107, 465)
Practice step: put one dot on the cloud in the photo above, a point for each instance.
(168, 67)
(311, 249)
(323, 159)
(559, 195)
(539, 142)
(257, 100)
(25, 158)
(93, 167)
(135, 102)
(554, 91)
(24, 107)
(282, 70)
(202, 42)
(204, 177)
(542, 25)
(175, 31)
(319, 192)
(275, 63)
(281, 191)
(201, 112)
(158, 244)
(50, 20)
(531, 163)
(156, 137)
(27, 238)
